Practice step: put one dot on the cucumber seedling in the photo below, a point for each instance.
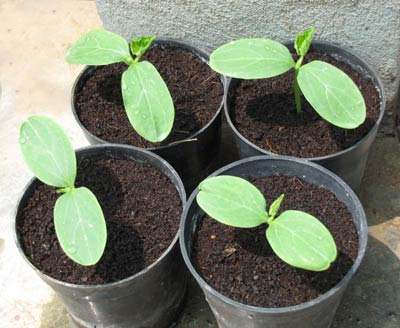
(78, 218)
(330, 91)
(296, 237)
(147, 100)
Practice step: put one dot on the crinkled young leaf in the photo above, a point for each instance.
(99, 47)
(47, 151)
(302, 241)
(140, 45)
(80, 226)
(232, 201)
(332, 93)
(274, 208)
(147, 101)
(303, 41)
(252, 59)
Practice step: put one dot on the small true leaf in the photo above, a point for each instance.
(303, 41)
(80, 226)
(233, 201)
(252, 59)
(99, 47)
(333, 94)
(48, 152)
(274, 208)
(302, 241)
(140, 45)
(147, 101)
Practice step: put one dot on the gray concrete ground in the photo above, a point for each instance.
(35, 79)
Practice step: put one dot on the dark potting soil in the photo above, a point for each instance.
(196, 91)
(264, 112)
(142, 210)
(240, 264)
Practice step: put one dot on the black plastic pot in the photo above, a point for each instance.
(153, 297)
(350, 163)
(194, 159)
(317, 313)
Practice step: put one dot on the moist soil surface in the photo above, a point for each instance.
(142, 210)
(264, 112)
(195, 89)
(240, 264)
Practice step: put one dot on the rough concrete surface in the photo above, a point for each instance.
(369, 27)
(35, 79)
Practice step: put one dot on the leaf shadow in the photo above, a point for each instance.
(124, 238)
(96, 176)
(109, 88)
(127, 251)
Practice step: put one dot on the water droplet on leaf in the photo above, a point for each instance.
(124, 87)
(22, 140)
(71, 249)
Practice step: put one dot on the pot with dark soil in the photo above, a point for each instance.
(102, 229)
(275, 242)
(323, 104)
(181, 117)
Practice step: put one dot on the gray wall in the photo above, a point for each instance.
(370, 27)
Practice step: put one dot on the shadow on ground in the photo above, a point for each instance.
(373, 298)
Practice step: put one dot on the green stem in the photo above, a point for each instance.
(129, 60)
(65, 190)
(132, 61)
(269, 219)
(297, 91)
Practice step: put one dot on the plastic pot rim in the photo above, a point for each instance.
(182, 195)
(280, 310)
(199, 53)
(371, 74)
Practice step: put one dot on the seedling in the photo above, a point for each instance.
(296, 237)
(330, 91)
(78, 218)
(147, 101)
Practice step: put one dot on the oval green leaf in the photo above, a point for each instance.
(252, 59)
(147, 101)
(232, 201)
(99, 47)
(333, 94)
(47, 151)
(301, 240)
(80, 226)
